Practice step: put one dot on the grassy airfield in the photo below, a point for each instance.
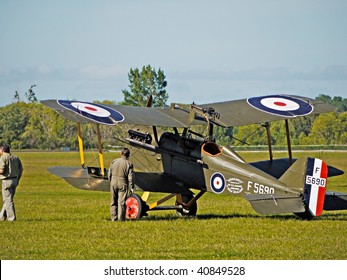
(57, 221)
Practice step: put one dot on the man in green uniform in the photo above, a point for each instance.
(11, 170)
(120, 174)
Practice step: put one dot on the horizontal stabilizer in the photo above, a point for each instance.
(335, 201)
(278, 167)
(270, 204)
(160, 182)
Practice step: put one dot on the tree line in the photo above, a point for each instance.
(31, 125)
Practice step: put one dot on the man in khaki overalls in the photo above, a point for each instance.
(121, 179)
(11, 170)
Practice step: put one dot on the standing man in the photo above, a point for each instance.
(121, 178)
(11, 170)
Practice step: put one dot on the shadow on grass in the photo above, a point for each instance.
(283, 217)
(328, 217)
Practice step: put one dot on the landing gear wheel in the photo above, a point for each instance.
(185, 212)
(136, 208)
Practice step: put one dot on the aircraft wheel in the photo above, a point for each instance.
(191, 211)
(135, 207)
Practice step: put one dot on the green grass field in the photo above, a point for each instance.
(57, 221)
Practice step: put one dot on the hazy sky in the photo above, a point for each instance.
(209, 50)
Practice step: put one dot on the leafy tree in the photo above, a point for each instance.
(33, 134)
(302, 126)
(340, 103)
(342, 127)
(337, 101)
(324, 98)
(324, 129)
(13, 121)
(16, 96)
(30, 94)
(143, 84)
(46, 129)
(224, 136)
(279, 133)
(251, 134)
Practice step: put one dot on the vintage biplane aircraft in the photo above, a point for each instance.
(184, 164)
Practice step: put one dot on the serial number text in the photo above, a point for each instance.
(315, 181)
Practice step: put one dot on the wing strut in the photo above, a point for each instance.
(101, 156)
(289, 143)
(80, 145)
(268, 133)
(156, 135)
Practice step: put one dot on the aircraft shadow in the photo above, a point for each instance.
(214, 216)
(283, 217)
(328, 217)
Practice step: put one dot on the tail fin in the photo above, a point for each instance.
(308, 176)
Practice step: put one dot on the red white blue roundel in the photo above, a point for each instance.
(217, 182)
(281, 105)
(95, 112)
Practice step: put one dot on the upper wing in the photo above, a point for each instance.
(266, 109)
(230, 113)
(85, 112)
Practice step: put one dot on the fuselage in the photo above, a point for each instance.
(203, 165)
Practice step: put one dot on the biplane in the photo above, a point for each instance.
(184, 164)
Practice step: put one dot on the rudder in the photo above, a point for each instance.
(315, 185)
(308, 176)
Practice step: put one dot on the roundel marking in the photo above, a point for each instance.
(95, 112)
(217, 182)
(91, 109)
(281, 105)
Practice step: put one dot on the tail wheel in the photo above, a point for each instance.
(136, 208)
(184, 211)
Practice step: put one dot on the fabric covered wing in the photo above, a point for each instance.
(231, 113)
(79, 178)
(273, 108)
(153, 182)
(153, 116)
(85, 112)
(159, 182)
